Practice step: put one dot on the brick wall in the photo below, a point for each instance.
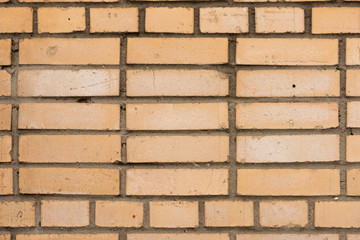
(179, 120)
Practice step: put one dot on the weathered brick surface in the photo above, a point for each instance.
(114, 20)
(16, 20)
(61, 20)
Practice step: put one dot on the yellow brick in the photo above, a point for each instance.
(6, 181)
(177, 236)
(287, 237)
(352, 51)
(337, 214)
(5, 52)
(5, 83)
(5, 116)
(5, 148)
(17, 214)
(61, 20)
(68, 237)
(16, 20)
(335, 20)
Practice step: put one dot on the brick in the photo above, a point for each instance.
(61, 20)
(177, 236)
(288, 182)
(114, 20)
(65, 1)
(224, 20)
(283, 213)
(175, 214)
(5, 236)
(5, 83)
(352, 82)
(229, 213)
(290, 51)
(176, 83)
(353, 182)
(287, 237)
(5, 148)
(64, 213)
(179, 116)
(353, 148)
(69, 181)
(118, 214)
(177, 149)
(70, 51)
(40, 83)
(5, 116)
(279, 20)
(353, 111)
(335, 20)
(17, 214)
(353, 237)
(352, 51)
(172, 182)
(169, 20)
(68, 237)
(5, 52)
(337, 214)
(288, 148)
(16, 20)
(69, 116)
(70, 148)
(6, 181)
(286, 115)
(287, 83)
(177, 50)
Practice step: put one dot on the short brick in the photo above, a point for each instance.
(69, 51)
(287, 237)
(5, 52)
(6, 182)
(177, 50)
(353, 237)
(70, 148)
(5, 116)
(288, 83)
(17, 214)
(5, 83)
(224, 20)
(69, 181)
(177, 149)
(118, 214)
(279, 20)
(68, 237)
(353, 148)
(229, 213)
(283, 213)
(64, 213)
(65, 1)
(290, 51)
(353, 82)
(177, 236)
(172, 182)
(181, 116)
(16, 20)
(169, 20)
(40, 83)
(176, 83)
(5, 236)
(288, 148)
(287, 115)
(288, 182)
(352, 53)
(353, 111)
(353, 182)
(337, 214)
(69, 116)
(335, 20)
(5, 148)
(61, 20)
(114, 20)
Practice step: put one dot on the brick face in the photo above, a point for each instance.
(114, 20)
(17, 214)
(16, 20)
(5, 52)
(5, 83)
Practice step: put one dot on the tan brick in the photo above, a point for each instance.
(5, 236)
(353, 82)
(69, 181)
(172, 182)
(5, 148)
(69, 116)
(288, 182)
(61, 20)
(177, 236)
(64, 213)
(64, 1)
(70, 148)
(283, 213)
(6, 181)
(335, 20)
(287, 83)
(17, 214)
(174, 214)
(176, 83)
(353, 182)
(289, 51)
(353, 237)
(288, 148)
(169, 20)
(69, 51)
(177, 50)
(5, 52)
(353, 148)
(224, 20)
(352, 51)
(229, 213)
(114, 20)
(5, 116)
(177, 149)
(118, 214)
(5, 83)
(38, 83)
(337, 214)
(287, 115)
(281, 0)
(287, 237)
(353, 112)
(179, 116)
(279, 20)
(68, 237)
(16, 20)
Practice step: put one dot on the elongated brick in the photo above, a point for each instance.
(177, 236)
(67, 237)
(287, 237)
(337, 214)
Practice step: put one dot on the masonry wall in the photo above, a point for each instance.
(179, 120)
